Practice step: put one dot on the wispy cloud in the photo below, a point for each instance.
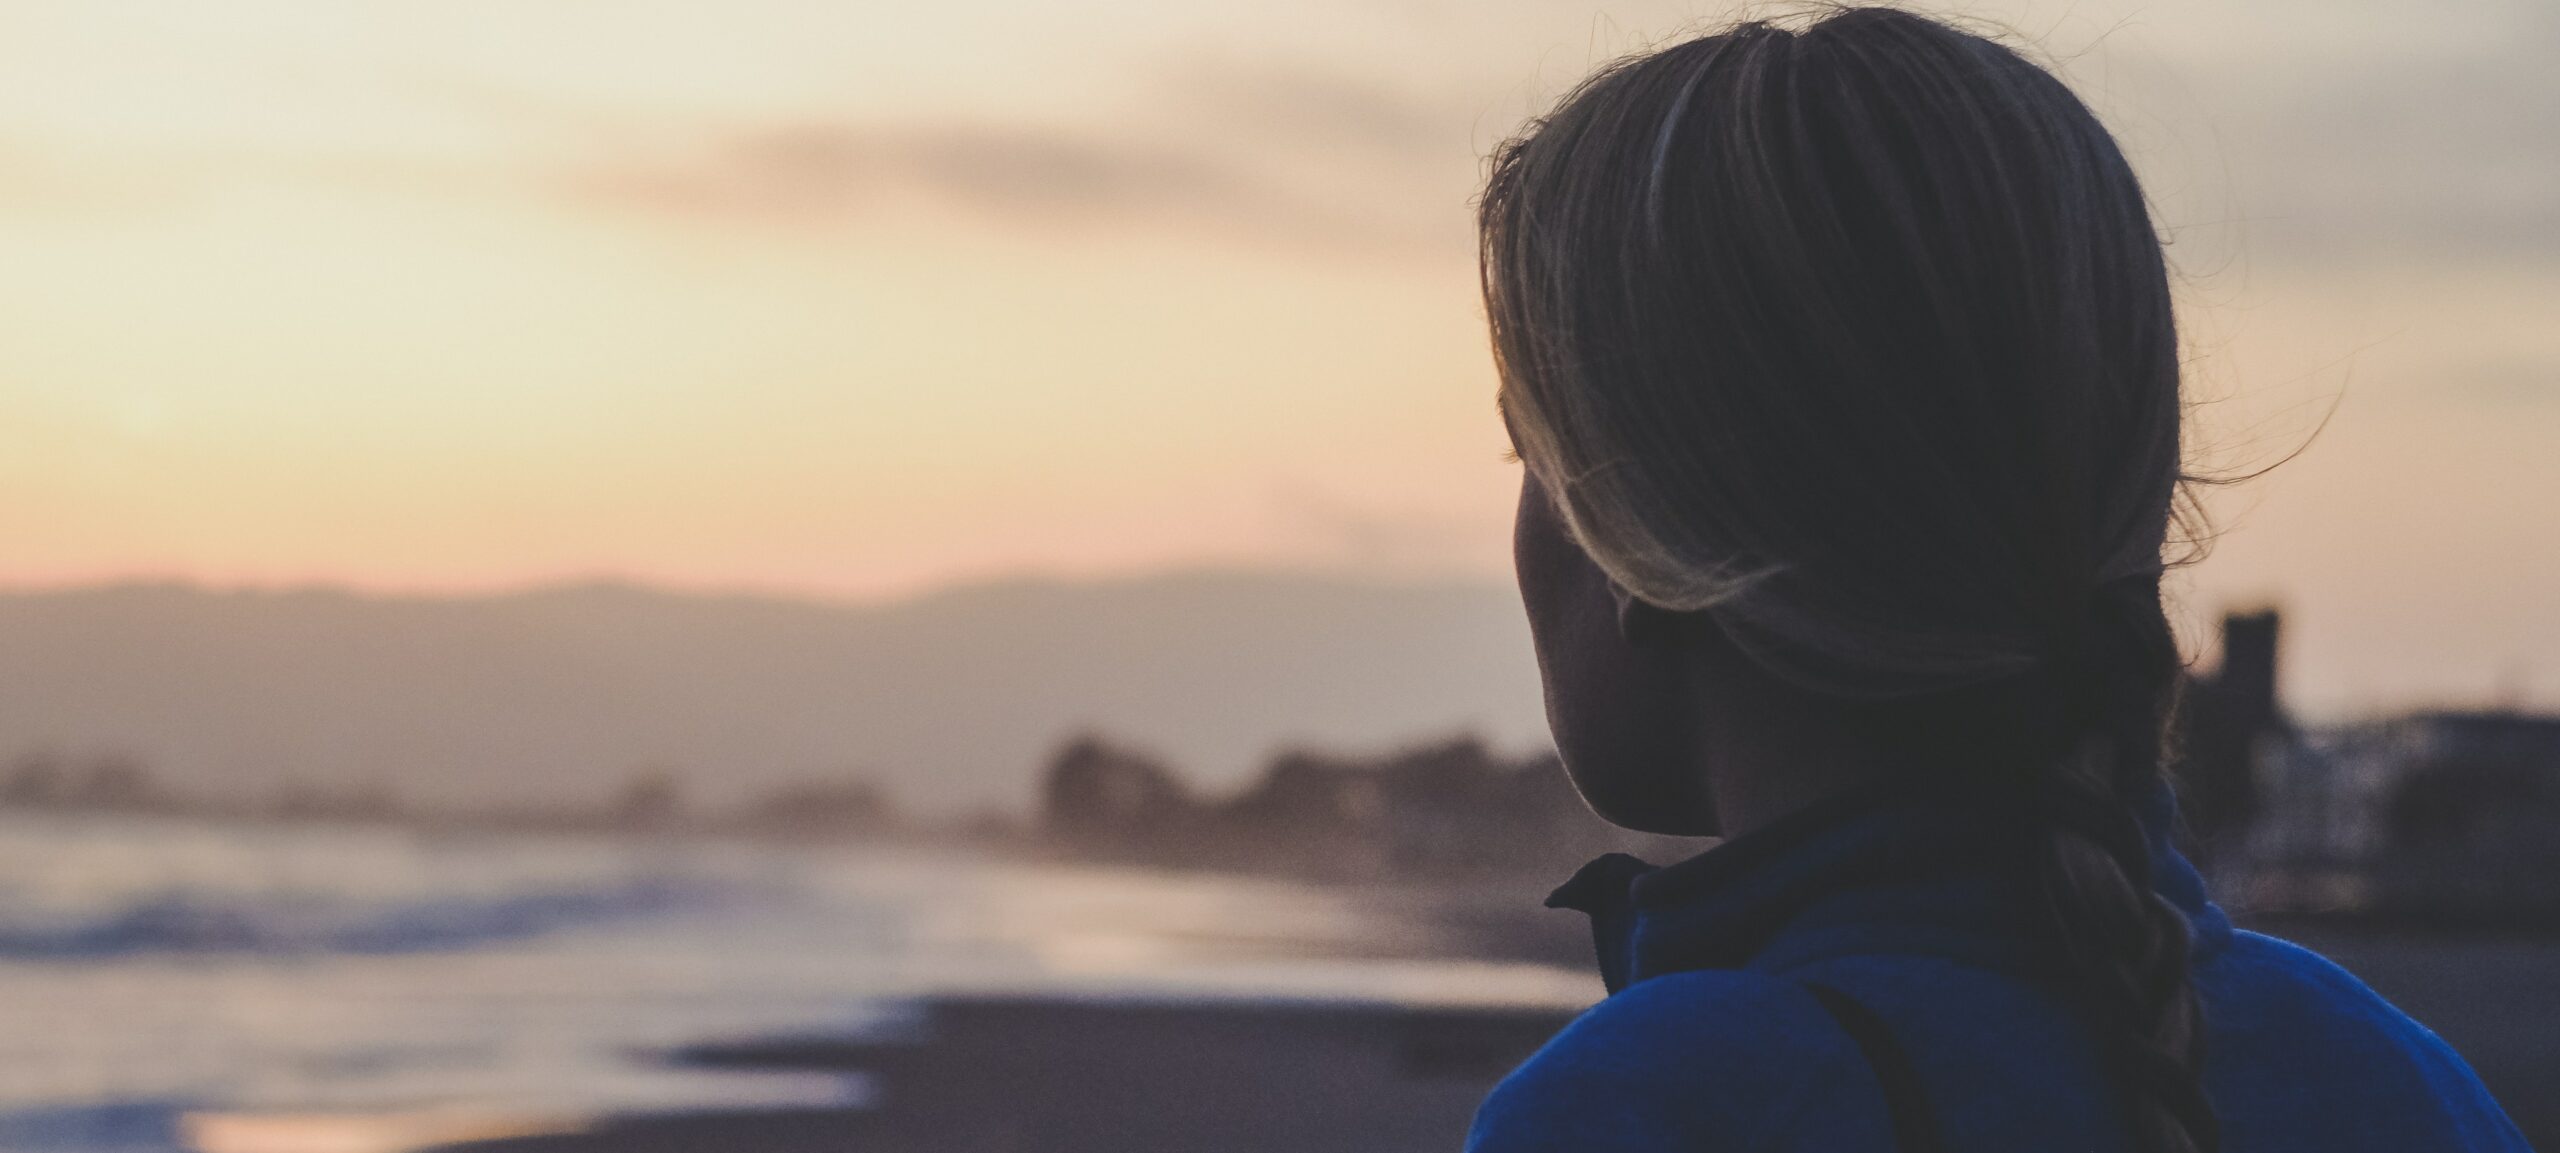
(822, 172)
(1355, 117)
(818, 169)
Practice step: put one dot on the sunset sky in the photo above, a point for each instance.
(860, 299)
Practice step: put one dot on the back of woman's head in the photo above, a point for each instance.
(1857, 339)
(1859, 335)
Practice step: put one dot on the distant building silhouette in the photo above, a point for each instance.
(1442, 809)
(1100, 797)
(2230, 724)
(2444, 816)
(2440, 815)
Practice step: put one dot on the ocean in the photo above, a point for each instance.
(171, 984)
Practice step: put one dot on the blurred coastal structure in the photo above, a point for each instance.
(1454, 808)
(1449, 809)
(2446, 817)
(2449, 817)
(110, 782)
(2230, 721)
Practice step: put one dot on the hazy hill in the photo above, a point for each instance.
(562, 694)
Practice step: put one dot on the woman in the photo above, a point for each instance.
(1842, 365)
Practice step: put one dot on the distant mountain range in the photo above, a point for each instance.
(562, 695)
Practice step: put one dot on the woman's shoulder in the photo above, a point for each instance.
(2283, 1015)
(2263, 984)
(1694, 1061)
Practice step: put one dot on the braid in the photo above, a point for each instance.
(2121, 946)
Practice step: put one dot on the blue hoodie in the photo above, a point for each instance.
(1709, 1040)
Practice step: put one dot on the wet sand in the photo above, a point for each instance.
(997, 1075)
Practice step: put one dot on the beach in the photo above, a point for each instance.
(208, 988)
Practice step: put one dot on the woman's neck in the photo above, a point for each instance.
(1769, 749)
